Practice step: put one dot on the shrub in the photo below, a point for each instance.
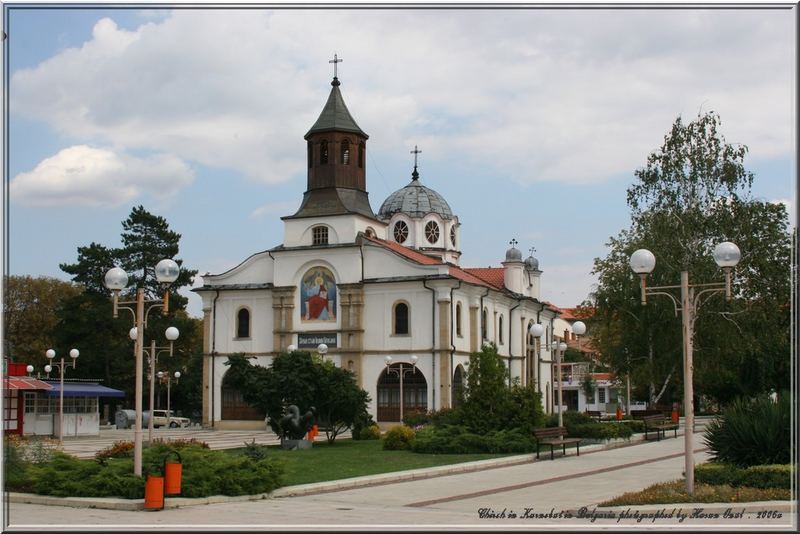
(446, 416)
(416, 418)
(398, 438)
(205, 473)
(118, 449)
(599, 431)
(180, 443)
(457, 439)
(370, 432)
(751, 432)
(757, 476)
(636, 426)
(569, 417)
(254, 451)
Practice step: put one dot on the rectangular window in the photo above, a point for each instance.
(30, 402)
(601, 395)
(320, 235)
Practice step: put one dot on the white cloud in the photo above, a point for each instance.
(86, 176)
(533, 95)
(275, 209)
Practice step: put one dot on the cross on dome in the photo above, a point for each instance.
(335, 60)
(513, 242)
(415, 174)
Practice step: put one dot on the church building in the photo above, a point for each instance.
(383, 291)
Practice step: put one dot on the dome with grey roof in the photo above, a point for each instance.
(513, 254)
(416, 201)
(532, 264)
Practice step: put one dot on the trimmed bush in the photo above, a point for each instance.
(637, 427)
(599, 431)
(751, 432)
(370, 432)
(416, 418)
(398, 438)
(205, 473)
(118, 449)
(757, 476)
(457, 439)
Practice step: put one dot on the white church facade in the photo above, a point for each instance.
(371, 285)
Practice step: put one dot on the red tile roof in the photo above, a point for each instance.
(494, 276)
(418, 257)
(406, 252)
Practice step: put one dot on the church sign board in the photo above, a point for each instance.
(311, 341)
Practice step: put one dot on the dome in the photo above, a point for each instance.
(513, 254)
(532, 264)
(416, 201)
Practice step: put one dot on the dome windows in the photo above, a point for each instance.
(345, 157)
(453, 235)
(400, 231)
(432, 232)
(323, 153)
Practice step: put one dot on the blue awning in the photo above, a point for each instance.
(83, 390)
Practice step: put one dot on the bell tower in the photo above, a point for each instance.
(336, 160)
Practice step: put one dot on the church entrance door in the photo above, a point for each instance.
(415, 392)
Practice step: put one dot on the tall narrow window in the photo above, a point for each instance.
(310, 154)
(323, 153)
(500, 329)
(401, 318)
(243, 323)
(361, 149)
(458, 319)
(345, 160)
(483, 324)
(320, 235)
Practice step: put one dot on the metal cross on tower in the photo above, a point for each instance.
(532, 250)
(415, 174)
(335, 60)
(513, 242)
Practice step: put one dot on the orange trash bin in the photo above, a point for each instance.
(172, 475)
(154, 493)
(675, 415)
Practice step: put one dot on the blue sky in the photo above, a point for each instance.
(530, 122)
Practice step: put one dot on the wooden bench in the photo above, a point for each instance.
(595, 413)
(554, 436)
(660, 424)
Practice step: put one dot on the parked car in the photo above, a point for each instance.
(164, 418)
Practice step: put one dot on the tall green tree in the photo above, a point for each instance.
(86, 322)
(301, 379)
(30, 309)
(693, 193)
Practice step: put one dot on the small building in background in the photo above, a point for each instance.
(16, 384)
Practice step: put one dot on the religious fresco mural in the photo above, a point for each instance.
(318, 296)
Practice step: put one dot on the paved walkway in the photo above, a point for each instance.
(541, 494)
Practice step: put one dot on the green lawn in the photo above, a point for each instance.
(348, 458)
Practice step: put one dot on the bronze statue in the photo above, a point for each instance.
(294, 426)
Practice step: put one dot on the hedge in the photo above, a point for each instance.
(757, 476)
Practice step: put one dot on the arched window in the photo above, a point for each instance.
(432, 232)
(361, 149)
(310, 154)
(484, 315)
(323, 153)
(458, 319)
(243, 323)
(400, 231)
(345, 159)
(319, 235)
(453, 235)
(401, 318)
(500, 329)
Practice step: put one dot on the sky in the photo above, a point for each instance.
(531, 122)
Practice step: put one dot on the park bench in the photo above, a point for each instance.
(554, 436)
(595, 413)
(660, 424)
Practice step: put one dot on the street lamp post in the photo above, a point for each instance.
(51, 354)
(164, 376)
(642, 262)
(401, 372)
(322, 350)
(558, 349)
(116, 279)
(171, 334)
